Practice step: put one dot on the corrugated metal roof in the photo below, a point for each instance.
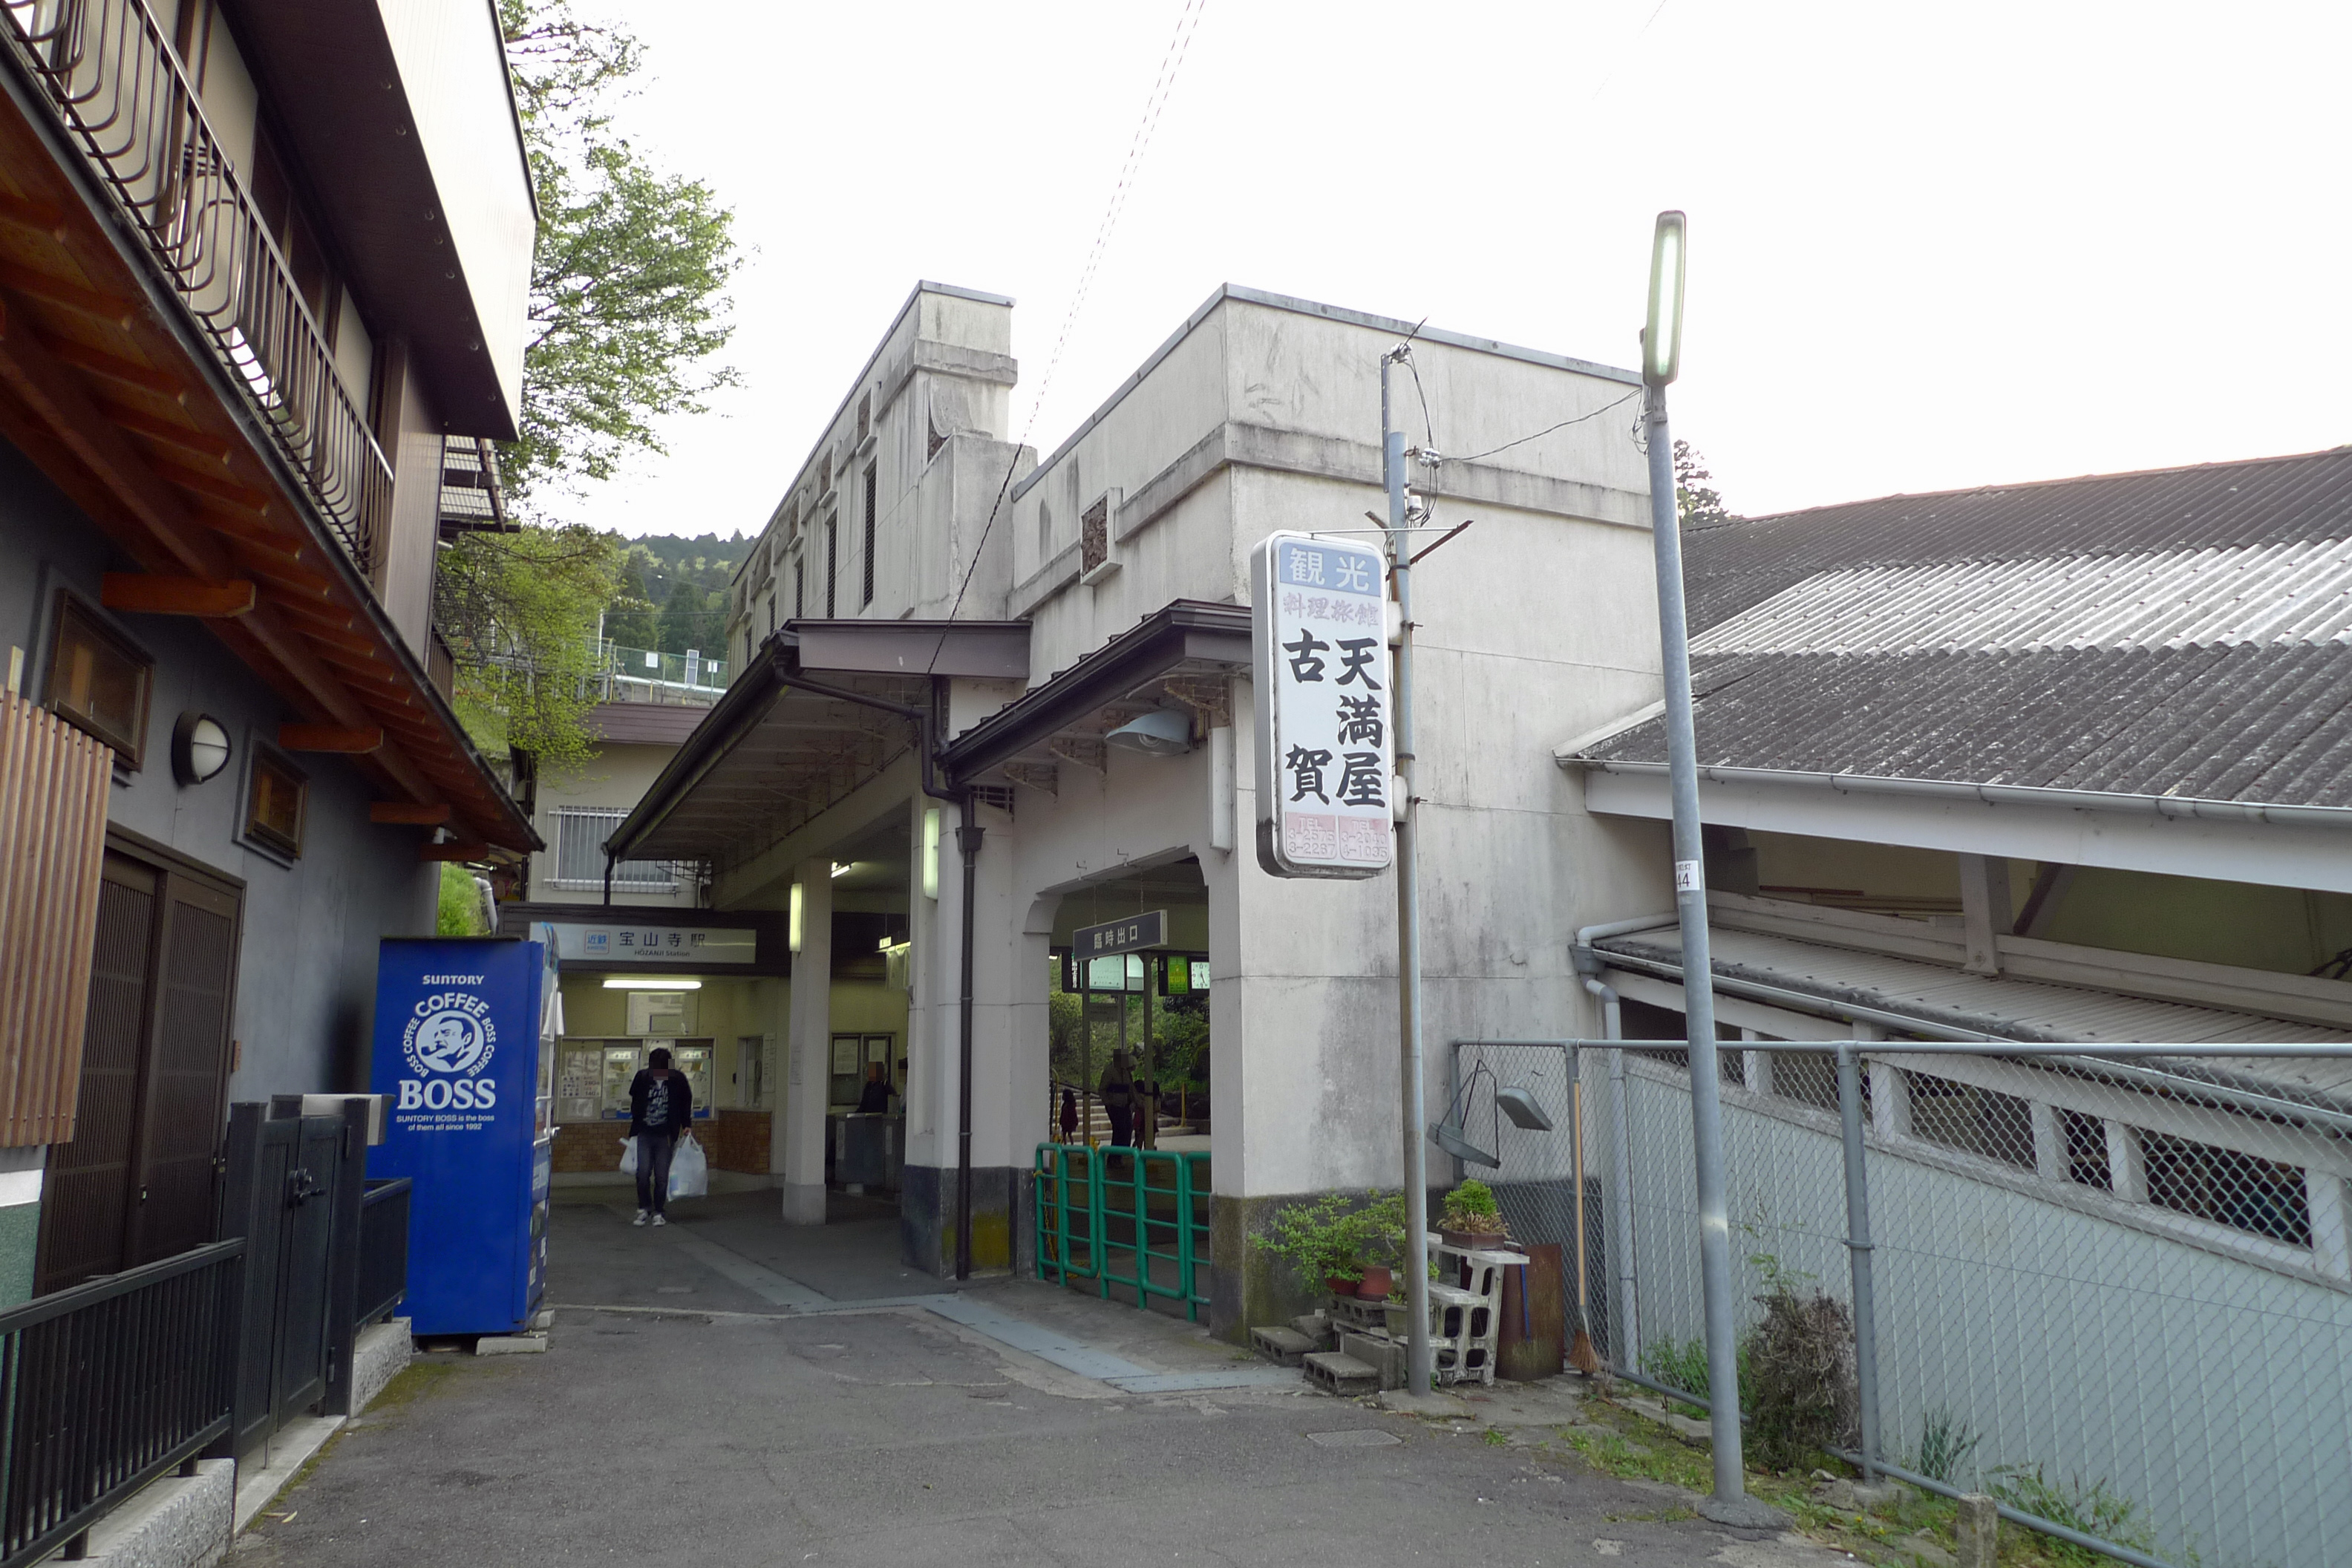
(1731, 567)
(2299, 591)
(2263, 724)
(2184, 633)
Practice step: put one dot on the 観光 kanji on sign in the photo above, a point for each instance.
(1325, 777)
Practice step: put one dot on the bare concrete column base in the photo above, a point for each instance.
(1742, 1512)
(804, 1202)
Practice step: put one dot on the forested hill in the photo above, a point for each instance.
(673, 593)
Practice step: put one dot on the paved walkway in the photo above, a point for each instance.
(733, 1390)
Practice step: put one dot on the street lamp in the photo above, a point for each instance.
(1662, 353)
(1662, 338)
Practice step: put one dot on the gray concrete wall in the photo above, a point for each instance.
(307, 967)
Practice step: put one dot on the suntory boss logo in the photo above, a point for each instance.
(449, 1040)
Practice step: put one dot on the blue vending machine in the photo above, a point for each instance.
(464, 1035)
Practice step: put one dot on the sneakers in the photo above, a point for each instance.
(659, 1219)
(641, 1218)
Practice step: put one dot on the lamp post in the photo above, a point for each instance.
(1662, 350)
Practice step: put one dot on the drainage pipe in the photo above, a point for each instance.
(1625, 1341)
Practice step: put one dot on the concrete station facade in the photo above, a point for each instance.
(937, 625)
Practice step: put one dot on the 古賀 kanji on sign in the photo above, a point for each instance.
(1325, 781)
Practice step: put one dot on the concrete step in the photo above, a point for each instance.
(1336, 1373)
(1284, 1347)
(1385, 1356)
(1316, 1327)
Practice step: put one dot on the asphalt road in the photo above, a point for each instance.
(701, 1420)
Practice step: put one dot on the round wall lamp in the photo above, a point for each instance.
(199, 748)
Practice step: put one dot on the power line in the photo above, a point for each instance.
(1547, 430)
(1188, 22)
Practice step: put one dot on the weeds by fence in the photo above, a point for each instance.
(2116, 1294)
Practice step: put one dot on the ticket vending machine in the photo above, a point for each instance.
(464, 1031)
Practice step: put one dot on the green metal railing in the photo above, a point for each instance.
(1133, 1220)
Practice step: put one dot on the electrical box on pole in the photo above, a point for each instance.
(1326, 790)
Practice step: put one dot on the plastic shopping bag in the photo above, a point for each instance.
(689, 1172)
(628, 1156)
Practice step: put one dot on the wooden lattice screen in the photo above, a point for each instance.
(53, 787)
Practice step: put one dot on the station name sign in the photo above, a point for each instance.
(694, 945)
(1319, 636)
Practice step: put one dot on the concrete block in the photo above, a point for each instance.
(1284, 1347)
(1386, 1356)
(383, 1353)
(511, 1345)
(1316, 1326)
(1977, 1531)
(179, 1521)
(1854, 1497)
(1335, 1372)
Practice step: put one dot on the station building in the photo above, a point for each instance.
(941, 646)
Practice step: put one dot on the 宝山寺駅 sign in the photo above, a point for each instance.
(1320, 638)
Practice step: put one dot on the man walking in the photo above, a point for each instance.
(661, 1107)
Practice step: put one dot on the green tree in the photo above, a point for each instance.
(627, 303)
(628, 299)
(1697, 503)
(519, 611)
(685, 614)
(630, 619)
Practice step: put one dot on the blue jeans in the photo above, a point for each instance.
(654, 1152)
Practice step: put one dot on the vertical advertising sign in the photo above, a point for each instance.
(1319, 636)
(458, 1027)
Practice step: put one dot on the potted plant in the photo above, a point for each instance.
(1319, 1239)
(1379, 1244)
(1472, 1218)
(1351, 1249)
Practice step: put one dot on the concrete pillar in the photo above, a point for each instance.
(1976, 1533)
(2127, 1163)
(799, 1109)
(1757, 1066)
(2051, 1162)
(2331, 1245)
(1890, 1091)
(1984, 909)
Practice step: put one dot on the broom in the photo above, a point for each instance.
(1581, 1353)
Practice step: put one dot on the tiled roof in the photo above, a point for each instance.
(2186, 633)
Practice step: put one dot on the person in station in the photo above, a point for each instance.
(1118, 1098)
(661, 1107)
(1069, 1114)
(874, 1099)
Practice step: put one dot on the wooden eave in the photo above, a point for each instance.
(109, 400)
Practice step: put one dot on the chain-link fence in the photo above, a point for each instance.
(2115, 1293)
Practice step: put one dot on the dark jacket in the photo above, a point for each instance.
(681, 1103)
(874, 1099)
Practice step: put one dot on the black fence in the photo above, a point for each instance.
(384, 1249)
(105, 1387)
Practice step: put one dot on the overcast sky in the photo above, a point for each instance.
(1930, 246)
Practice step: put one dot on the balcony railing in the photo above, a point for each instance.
(116, 85)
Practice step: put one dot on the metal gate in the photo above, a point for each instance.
(288, 1178)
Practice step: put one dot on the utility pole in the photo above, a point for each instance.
(1420, 1367)
(1662, 345)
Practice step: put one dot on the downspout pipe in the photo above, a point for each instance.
(968, 837)
(1625, 1323)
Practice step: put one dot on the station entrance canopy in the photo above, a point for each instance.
(825, 707)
